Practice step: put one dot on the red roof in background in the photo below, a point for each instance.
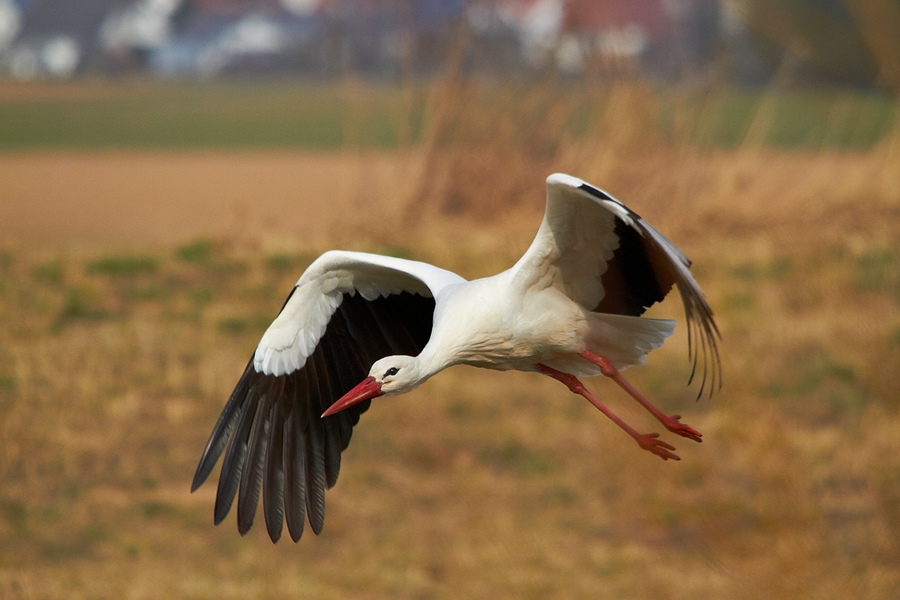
(586, 16)
(579, 16)
(235, 7)
(591, 16)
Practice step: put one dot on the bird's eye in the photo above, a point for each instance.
(391, 371)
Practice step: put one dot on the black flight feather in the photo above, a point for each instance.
(252, 472)
(276, 444)
(295, 457)
(230, 476)
(222, 429)
(636, 276)
(273, 479)
(315, 451)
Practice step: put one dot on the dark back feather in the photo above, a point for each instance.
(637, 276)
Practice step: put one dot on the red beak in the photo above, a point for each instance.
(367, 389)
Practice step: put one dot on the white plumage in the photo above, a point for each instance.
(569, 307)
(294, 334)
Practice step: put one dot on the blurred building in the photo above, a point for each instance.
(669, 38)
(52, 37)
(747, 40)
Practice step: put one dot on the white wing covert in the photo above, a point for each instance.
(294, 334)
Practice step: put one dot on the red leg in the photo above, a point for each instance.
(647, 441)
(670, 423)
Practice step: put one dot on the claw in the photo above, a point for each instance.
(649, 442)
(672, 424)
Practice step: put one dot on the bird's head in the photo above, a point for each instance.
(390, 376)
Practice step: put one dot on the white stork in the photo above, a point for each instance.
(570, 307)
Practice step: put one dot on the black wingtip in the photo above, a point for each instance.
(232, 464)
(218, 438)
(596, 193)
(218, 516)
(601, 195)
(702, 335)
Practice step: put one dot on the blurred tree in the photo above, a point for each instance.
(879, 22)
(852, 41)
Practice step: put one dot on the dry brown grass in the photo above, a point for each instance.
(118, 349)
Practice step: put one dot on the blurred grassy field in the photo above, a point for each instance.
(116, 357)
(147, 114)
(290, 114)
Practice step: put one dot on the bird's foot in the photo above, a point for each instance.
(675, 426)
(652, 443)
(647, 441)
(671, 423)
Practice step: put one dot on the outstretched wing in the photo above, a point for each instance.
(606, 258)
(348, 310)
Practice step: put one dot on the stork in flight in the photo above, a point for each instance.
(569, 308)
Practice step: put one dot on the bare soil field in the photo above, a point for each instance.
(134, 286)
(147, 198)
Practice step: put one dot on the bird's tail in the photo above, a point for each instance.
(626, 340)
